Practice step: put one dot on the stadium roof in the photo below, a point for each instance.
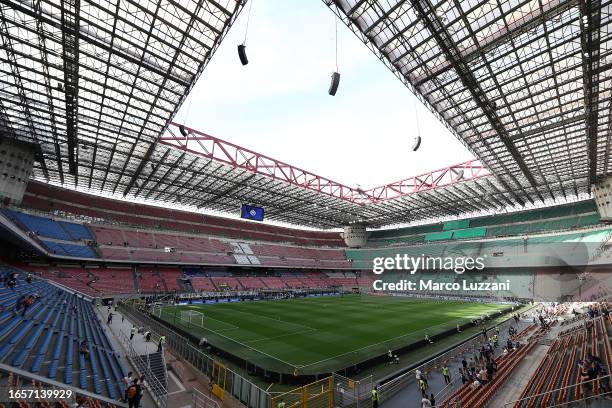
(524, 84)
(95, 83)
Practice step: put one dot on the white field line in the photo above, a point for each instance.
(385, 341)
(282, 335)
(217, 332)
(332, 357)
(274, 320)
(206, 317)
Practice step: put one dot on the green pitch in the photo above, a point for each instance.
(325, 334)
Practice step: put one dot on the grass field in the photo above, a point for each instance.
(317, 335)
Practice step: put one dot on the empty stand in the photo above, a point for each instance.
(45, 340)
(560, 218)
(49, 198)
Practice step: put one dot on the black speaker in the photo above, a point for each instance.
(183, 130)
(242, 54)
(335, 81)
(416, 144)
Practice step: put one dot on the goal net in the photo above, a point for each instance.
(192, 318)
(157, 311)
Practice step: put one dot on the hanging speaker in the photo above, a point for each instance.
(416, 144)
(183, 130)
(242, 54)
(335, 81)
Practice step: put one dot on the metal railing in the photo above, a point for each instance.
(48, 384)
(570, 388)
(239, 387)
(201, 400)
(389, 389)
(143, 367)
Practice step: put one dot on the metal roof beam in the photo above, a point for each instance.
(548, 10)
(445, 42)
(590, 22)
(70, 57)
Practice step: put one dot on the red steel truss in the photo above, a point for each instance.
(469, 170)
(204, 145)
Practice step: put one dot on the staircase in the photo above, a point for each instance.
(157, 365)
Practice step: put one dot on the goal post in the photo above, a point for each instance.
(157, 311)
(192, 318)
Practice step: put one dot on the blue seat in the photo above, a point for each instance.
(76, 231)
(68, 366)
(10, 326)
(95, 376)
(42, 226)
(17, 335)
(54, 326)
(82, 372)
(42, 349)
(66, 249)
(23, 353)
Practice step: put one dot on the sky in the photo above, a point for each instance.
(278, 104)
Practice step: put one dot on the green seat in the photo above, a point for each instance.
(438, 236)
(514, 229)
(470, 233)
(588, 220)
(457, 224)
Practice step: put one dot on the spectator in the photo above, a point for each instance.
(489, 369)
(84, 348)
(126, 381)
(142, 384)
(425, 402)
(11, 282)
(19, 303)
(464, 378)
(133, 394)
(27, 302)
(584, 377)
(482, 376)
